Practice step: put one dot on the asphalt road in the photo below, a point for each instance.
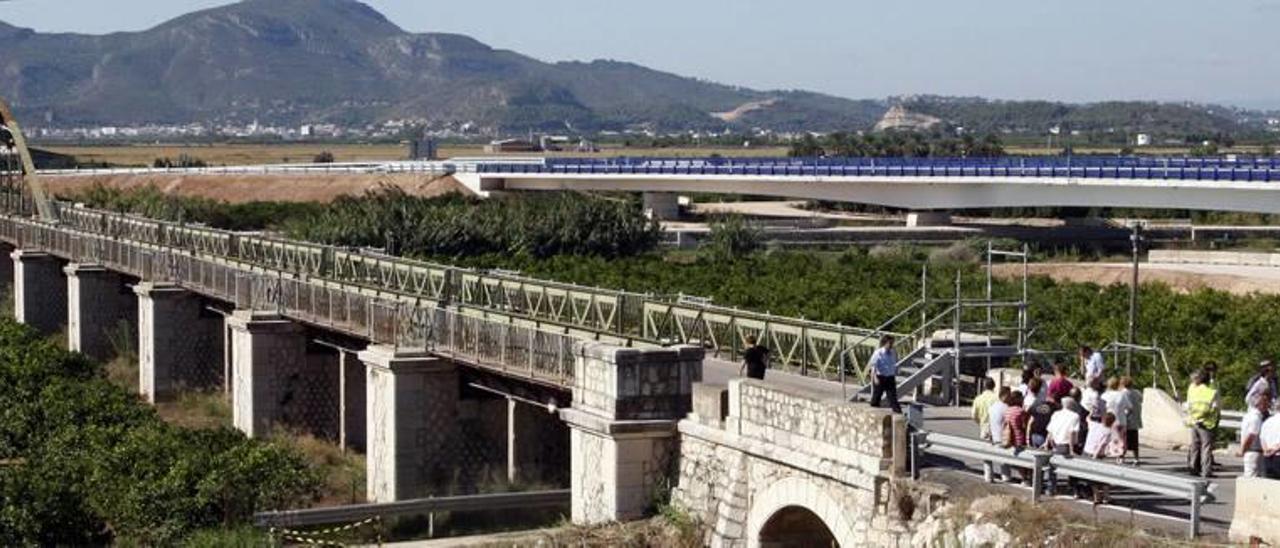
(1150, 510)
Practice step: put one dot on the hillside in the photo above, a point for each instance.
(339, 61)
(292, 62)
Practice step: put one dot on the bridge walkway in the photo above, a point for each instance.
(1216, 515)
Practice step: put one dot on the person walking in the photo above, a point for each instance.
(1202, 416)
(982, 407)
(884, 362)
(1134, 422)
(1251, 435)
(755, 359)
(1091, 365)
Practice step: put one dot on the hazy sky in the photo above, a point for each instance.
(1076, 50)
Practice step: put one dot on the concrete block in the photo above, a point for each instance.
(1163, 421)
(1255, 511)
(710, 402)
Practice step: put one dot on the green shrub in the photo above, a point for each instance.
(84, 462)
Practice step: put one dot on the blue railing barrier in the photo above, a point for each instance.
(1247, 169)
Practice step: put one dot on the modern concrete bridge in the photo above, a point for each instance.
(916, 184)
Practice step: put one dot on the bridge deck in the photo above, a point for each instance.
(1216, 515)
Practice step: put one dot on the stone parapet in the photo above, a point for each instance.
(845, 432)
(633, 384)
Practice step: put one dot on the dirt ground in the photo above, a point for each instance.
(1185, 278)
(259, 188)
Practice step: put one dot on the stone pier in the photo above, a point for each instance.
(351, 397)
(99, 306)
(39, 291)
(268, 356)
(623, 439)
(179, 342)
(412, 413)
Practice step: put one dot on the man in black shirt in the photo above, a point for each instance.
(755, 359)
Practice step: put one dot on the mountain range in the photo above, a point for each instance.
(340, 61)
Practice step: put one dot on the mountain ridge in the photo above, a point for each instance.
(294, 62)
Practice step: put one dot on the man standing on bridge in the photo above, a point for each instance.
(755, 359)
(884, 362)
(1092, 364)
(1202, 417)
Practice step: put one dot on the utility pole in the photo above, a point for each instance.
(1136, 239)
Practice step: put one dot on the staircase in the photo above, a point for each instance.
(937, 364)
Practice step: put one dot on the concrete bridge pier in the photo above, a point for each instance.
(39, 291)
(6, 267)
(179, 342)
(99, 305)
(623, 439)
(920, 219)
(351, 397)
(662, 206)
(268, 355)
(412, 413)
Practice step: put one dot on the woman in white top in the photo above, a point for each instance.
(1118, 403)
(1091, 400)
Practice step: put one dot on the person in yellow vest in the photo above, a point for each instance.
(1202, 416)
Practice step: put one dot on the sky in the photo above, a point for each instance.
(1225, 51)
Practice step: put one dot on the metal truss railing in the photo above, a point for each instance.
(535, 351)
(135, 245)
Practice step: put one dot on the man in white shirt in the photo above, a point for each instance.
(1250, 436)
(1269, 437)
(884, 363)
(1064, 428)
(1092, 364)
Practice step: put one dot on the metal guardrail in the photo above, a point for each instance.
(1154, 168)
(416, 507)
(1193, 490)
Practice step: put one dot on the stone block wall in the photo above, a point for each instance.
(633, 384)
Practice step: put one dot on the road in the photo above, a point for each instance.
(1151, 512)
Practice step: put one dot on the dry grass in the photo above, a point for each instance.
(344, 472)
(122, 371)
(198, 410)
(237, 154)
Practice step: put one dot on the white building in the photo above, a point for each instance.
(1143, 140)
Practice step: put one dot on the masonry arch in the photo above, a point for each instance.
(796, 511)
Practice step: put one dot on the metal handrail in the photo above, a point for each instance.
(1193, 490)
(559, 498)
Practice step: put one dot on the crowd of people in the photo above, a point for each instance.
(1100, 420)
(1103, 418)
(1259, 429)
